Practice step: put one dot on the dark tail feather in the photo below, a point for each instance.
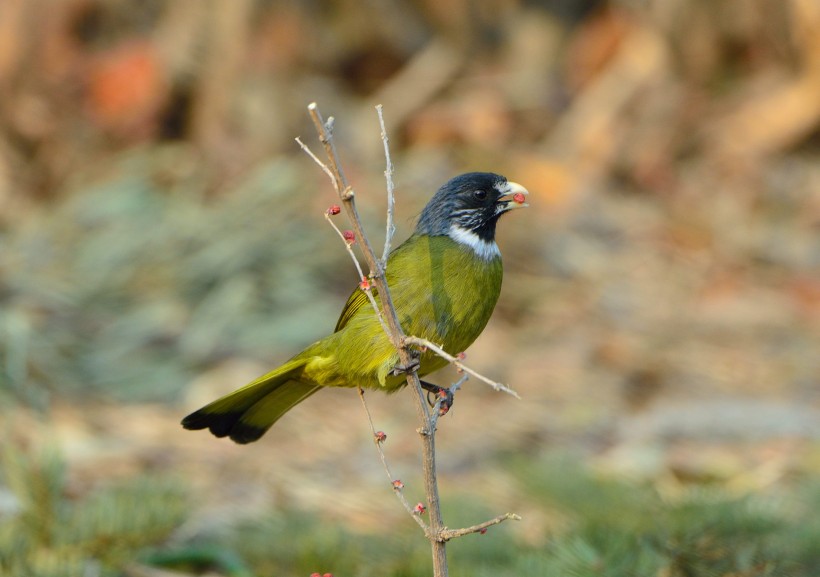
(246, 414)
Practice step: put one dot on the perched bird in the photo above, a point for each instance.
(444, 281)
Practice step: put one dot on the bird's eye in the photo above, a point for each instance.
(480, 194)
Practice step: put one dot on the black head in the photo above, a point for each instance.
(470, 203)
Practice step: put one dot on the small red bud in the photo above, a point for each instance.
(483, 530)
(519, 198)
(334, 209)
(350, 237)
(461, 356)
(419, 509)
(364, 285)
(381, 436)
(397, 484)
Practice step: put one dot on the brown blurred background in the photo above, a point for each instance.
(162, 239)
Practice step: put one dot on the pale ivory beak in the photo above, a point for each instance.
(513, 196)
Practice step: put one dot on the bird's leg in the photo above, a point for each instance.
(446, 396)
(404, 369)
(409, 367)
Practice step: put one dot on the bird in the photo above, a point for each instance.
(444, 280)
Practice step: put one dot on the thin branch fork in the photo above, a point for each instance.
(448, 534)
(458, 364)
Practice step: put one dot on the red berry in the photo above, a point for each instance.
(397, 484)
(483, 530)
(381, 436)
(350, 237)
(519, 198)
(334, 209)
(419, 509)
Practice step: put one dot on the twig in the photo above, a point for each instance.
(367, 291)
(348, 245)
(316, 159)
(448, 534)
(397, 488)
(458, 364)
(391, 198)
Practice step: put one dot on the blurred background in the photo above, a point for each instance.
(162, 242)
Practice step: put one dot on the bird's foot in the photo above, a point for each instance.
(404, 369)
(440, 395)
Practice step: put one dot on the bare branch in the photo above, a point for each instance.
(458, 364)
(325, 131)
(391, 198)
(397, 489)
(348, 245)
(367, 291)
(316, 159)
(448, 534)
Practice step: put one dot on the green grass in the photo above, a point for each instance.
(47, 532)
(608, 527)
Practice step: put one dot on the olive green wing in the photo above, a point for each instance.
(356, 300)
(398, 260)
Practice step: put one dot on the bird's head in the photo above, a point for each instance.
(468, 207)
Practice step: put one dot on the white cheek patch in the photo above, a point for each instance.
(486, 250)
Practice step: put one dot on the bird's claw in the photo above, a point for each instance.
(404, 369)
(440, 395)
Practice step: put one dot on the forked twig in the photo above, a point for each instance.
(416, 341)
(448, 534)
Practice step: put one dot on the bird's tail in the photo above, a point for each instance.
(247, 413)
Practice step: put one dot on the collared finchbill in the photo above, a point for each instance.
(513, 196)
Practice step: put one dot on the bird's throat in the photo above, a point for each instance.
(485, 249)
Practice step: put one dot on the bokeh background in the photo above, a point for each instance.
(162, 242)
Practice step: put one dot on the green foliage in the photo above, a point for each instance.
(627, 529)
(608, 528)
(47, 533)
(603, 527)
